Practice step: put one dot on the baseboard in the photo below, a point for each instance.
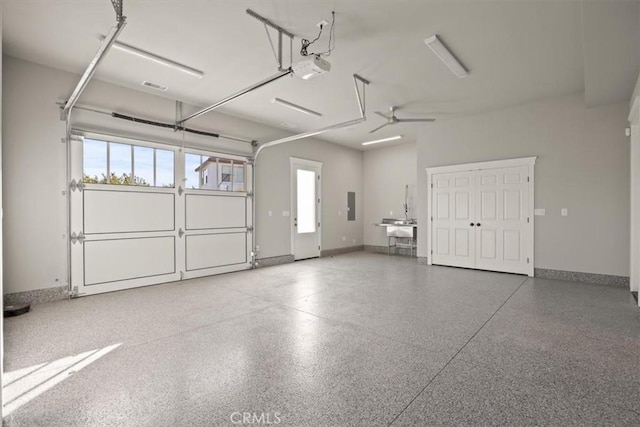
(385, 250)
(574, 276)
(37, 296)
(339, 251)
(274, 260)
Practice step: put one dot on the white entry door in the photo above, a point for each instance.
(144, 213)
(305, 201)
(483, 218)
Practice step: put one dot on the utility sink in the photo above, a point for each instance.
(399, 221)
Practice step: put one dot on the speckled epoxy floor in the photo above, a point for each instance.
(357, 339)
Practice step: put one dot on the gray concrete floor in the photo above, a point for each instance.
(357, 339)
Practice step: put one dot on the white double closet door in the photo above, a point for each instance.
(481, 219)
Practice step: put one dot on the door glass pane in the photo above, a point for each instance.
(306, 195)
(143, 165)
(164, 168)
(191, 164)
(119, 163)
(94, 158)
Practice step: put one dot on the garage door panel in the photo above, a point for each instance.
(127, 212)
(215, 250)
(115, 260)
(215, 212)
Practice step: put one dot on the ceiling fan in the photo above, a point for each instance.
(392, 119)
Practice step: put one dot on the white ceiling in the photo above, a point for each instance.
(516, 51)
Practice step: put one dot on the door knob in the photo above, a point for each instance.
(472, 224)
(478, 224)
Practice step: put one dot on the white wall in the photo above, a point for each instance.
(341, 173)
(386, 172)
(634, 258)
(583, 165)
(34, 167)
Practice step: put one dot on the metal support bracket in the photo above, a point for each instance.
(108, 41)
(118, 6)
(363, 117)
(76, 185)
(77, 238)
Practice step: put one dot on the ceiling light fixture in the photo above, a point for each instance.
(154, 86)
(391, 138)
(435, 44)
(158, 59)
(295, 107)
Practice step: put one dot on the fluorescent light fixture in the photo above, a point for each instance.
(295, 107)
(445, 55)
(158, 59)
(391, 138)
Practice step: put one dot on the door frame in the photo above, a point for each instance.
(529, 162)
(296, 161)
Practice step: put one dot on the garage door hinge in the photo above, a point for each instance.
(77, 238)
(249, 229)
(180, 190)
(431, 185)
(180, 232)
(250, 194)
(527, 219)
(76, 185)
(527, 179)
(527, 260)
(431, 252)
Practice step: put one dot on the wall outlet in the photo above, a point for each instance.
(539, 212)
(564, 212)
(286, 213)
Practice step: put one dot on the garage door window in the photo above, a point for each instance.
(106, 162)
(214, 173)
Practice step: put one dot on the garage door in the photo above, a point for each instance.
(143, 213)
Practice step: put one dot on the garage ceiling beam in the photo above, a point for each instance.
(100, 55)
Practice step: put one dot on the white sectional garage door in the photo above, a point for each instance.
(132, 225)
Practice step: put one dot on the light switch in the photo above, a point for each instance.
(539, 212)
(564, 212)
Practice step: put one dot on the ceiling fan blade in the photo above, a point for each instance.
(382, 115)
(416, 120)
(378, 128)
